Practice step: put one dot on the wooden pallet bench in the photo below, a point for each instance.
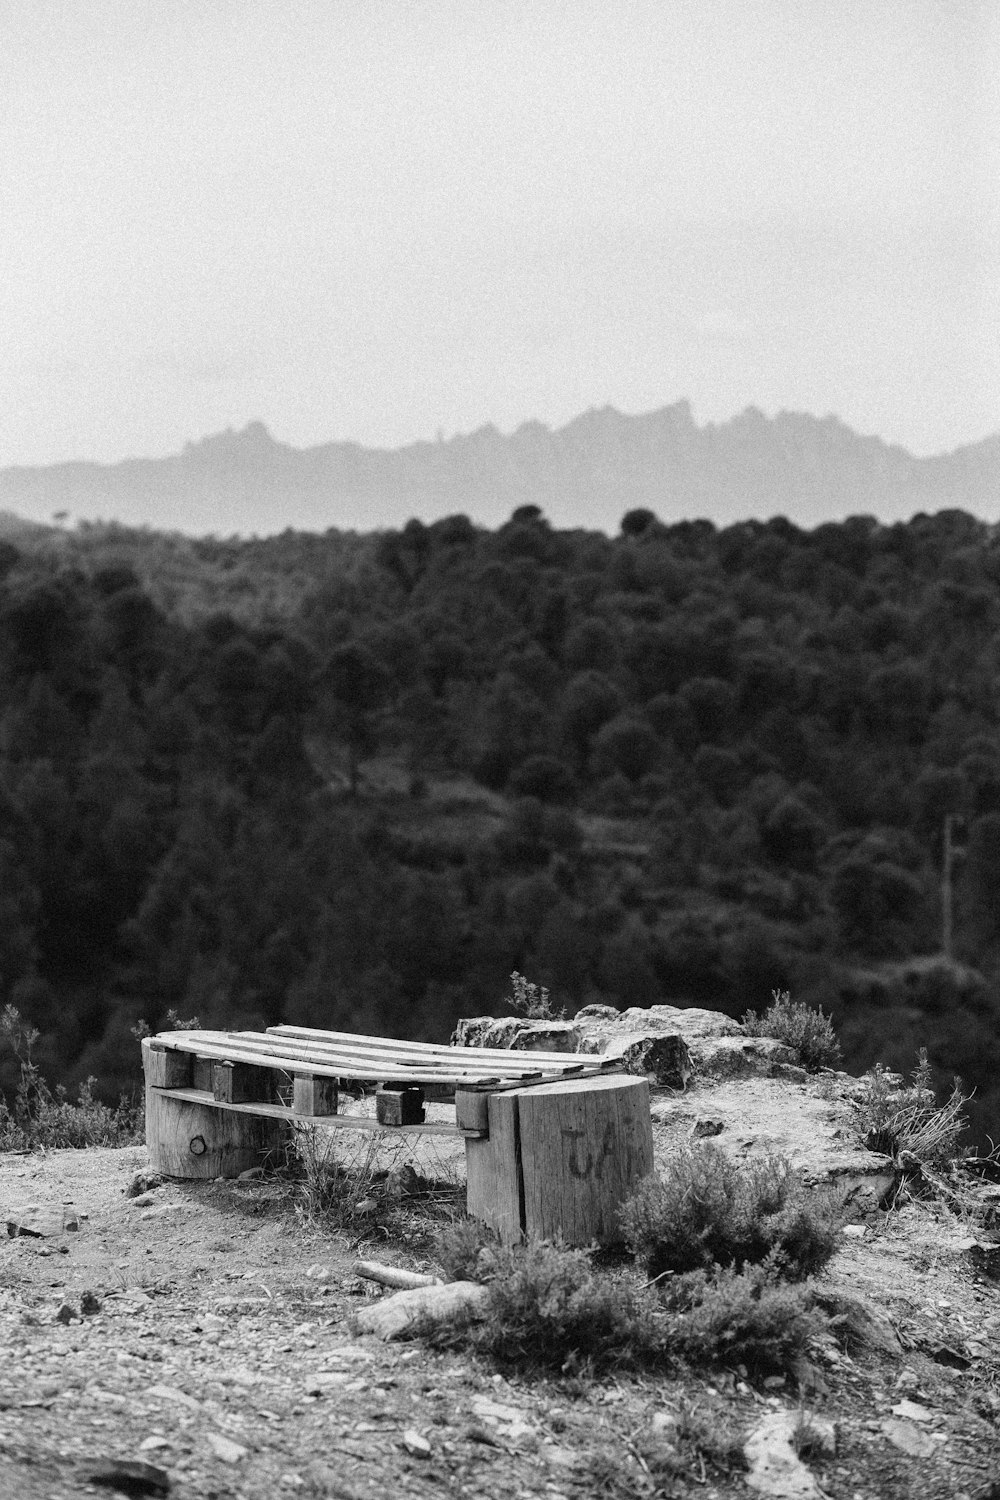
(553, 1141)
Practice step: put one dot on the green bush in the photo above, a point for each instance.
(706, 1211)
(810, 1032)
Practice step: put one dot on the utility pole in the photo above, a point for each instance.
(946, 892)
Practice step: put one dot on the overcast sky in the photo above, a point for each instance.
(382, 219)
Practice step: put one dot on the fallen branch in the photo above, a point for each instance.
(421, 1308)
(392, 1276)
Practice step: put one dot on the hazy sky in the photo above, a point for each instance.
(376, 220)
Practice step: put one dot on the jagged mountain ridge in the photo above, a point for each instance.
(587, 473)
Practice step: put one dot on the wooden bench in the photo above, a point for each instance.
(553, 1141)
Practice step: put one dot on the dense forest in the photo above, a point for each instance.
(355, 780)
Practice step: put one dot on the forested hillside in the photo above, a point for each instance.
(355, 781)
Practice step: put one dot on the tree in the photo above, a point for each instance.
(355, 684)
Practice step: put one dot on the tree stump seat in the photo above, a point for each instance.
(553, 1141)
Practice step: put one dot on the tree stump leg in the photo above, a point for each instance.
(560, 1160)
(185, 1138)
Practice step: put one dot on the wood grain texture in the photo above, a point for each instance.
(314, 1096)
(165, 1069)
(584, 1149)
(201, 1140)
(326, 1122)
(495, 1188)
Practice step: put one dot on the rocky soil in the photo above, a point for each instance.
(199, 1335)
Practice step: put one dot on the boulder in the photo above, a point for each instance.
(517, 1033)
(663, 1059)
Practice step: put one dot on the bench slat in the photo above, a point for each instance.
(332, 1122)
(436, 1049)
(428, 1065)
(235, 1047)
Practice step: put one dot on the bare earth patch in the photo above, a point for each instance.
(221, 1352)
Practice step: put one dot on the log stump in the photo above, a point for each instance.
(560, 1159)
(195, 1139)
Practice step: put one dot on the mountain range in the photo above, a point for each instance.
(587, 473)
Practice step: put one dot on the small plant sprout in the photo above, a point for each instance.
(532, 1000)
(809, 1031)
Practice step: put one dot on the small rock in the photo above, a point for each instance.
(704, 1127)
(144, 1200)
(663, 1424)
(416, 1445)
(913, 1411)
(318, 1272)
(153, 1443)
(908, 1438)
(775, 1468)
(143, 1182)
(90, 1303)
(854, 1231)
(173, 1396)
(225, 1449)
(40, 1221)
(130, 1477)
(66, 1313)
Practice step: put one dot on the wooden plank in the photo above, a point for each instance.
(406, 1053)
(332, 1122)
(337, 1037)
(228, 1048)
(495, 1184)
(520, 1066)
(314, 1096)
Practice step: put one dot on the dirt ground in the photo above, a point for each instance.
(221, 1353)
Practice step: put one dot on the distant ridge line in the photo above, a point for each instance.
(586, 474)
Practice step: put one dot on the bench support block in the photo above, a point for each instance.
(561, 1159)
(185, 1139)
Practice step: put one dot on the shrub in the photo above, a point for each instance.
(810, 1032)
(548, 1309)
(748, 1317)
(459, 1249)
(706, 1211)
(901, 1121)
(532, 1000)
(41, 1117)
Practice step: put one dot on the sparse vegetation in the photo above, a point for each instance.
(43, 1118)
(809, 1031)
(532, 1000)
(548, 1309)
(907, 1122)
(731, 1317)
(704, 1210)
